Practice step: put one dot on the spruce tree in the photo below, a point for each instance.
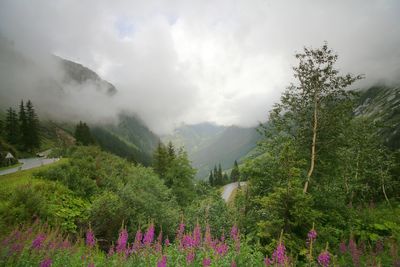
(83, 135)
(32, 125)
(211, 178)
(235, 174)
(220, 176)
(23, 126)
(160, 160)
(171, 152)
(12, 127)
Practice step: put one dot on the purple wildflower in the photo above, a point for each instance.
(138, 240)
(111, 251)
(187, 242)
(166, 242)
(159, 242)
(197, 235)
(312, 235)
(46, 263)
(234, 232)
(279, 255)
(207, 236)
(324, 259)
(190, 257)
(206, 262)
(162, 262)
(268, 262)
(122, 240)
(342, 248)
(90, 240)
(37, 243)
(149, 236)
(355, 253)
(181, 230)
(221, 249)
(233, 264)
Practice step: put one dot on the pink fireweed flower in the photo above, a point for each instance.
(159, 242)
(111, 251)
(221, 249)
(197, 235)
(90, 240)
(235, 232)
(342, 248)
(279, 255)
(268, 262)
(324, 259)
(206, 262)
(207, 236)
(37, 243)
(187, 242)
(355, 253)
(46, 263)
(190, 257)
(233, 264)
(91, 264)
(138, 240)
(162, 262)
(166, 242)
(181, 230)
(149, 236)
(122, 240)
(312, 235)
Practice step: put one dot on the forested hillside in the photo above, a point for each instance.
(209, 145)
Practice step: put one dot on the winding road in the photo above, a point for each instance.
(228, 189)
(29, 164)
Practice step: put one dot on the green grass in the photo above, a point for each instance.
(12, 180)
(10, 167)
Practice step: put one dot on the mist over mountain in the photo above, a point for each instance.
(209, 144)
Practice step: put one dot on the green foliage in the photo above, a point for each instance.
(83, 135)
(48, 201)
(4, 149)
(235, 173)
(210, 210)
(175, 169)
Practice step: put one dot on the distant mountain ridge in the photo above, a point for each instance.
(208, 144)
(127, 136)
(382, 104)
(77, 73)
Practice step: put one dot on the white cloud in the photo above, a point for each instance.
(196, 61)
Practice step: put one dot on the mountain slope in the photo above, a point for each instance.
(129, 138)
(209, 144)
(382, 104)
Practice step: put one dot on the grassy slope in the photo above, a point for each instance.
(12, 180)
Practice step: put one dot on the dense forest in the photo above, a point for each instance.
(322, 189)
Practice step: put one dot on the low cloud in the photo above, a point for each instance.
(191, 61)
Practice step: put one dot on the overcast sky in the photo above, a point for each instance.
(207, 60)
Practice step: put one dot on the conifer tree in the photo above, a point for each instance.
(32, 127)
(225, 178)
(211, 178)
(235, 174)
(220, 176)
(23, 126)
(171, 152)
(160, 159)
(12, 127)
(83, 135)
